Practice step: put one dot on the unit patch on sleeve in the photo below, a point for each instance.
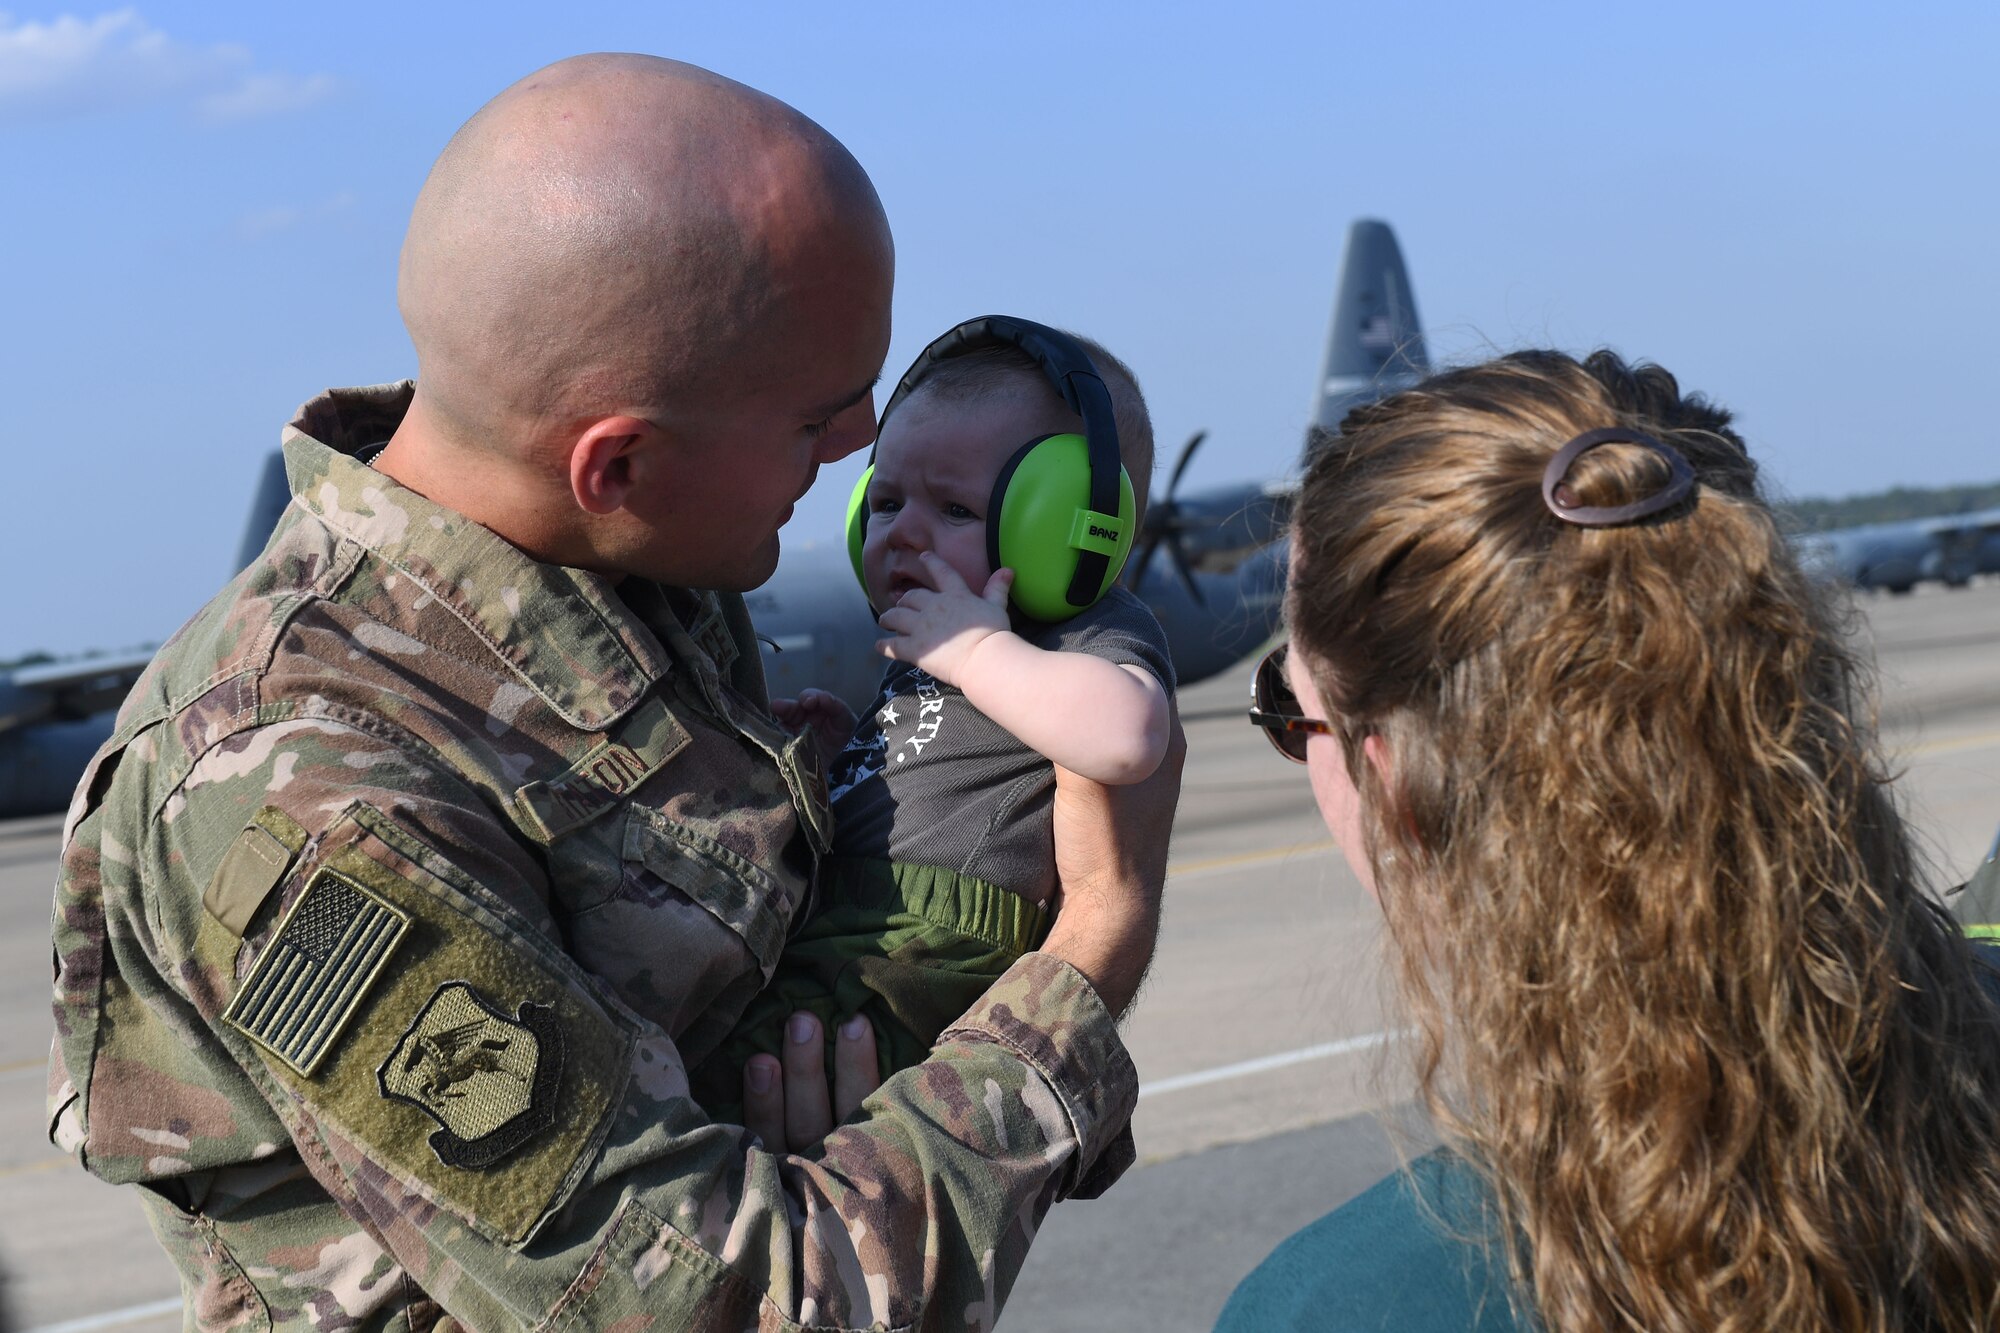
(459, 1050)
(488, 1079)
(309, 980)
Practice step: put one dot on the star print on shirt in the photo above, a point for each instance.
(861, 760)
(872, 748)
(866, 752)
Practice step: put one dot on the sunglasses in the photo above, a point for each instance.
(1275, 708)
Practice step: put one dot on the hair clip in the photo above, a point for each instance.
(1561, 500)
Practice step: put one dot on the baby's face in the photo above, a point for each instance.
(934, 469)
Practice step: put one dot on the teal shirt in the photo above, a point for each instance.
(1407, 1255)
(1411, 1254)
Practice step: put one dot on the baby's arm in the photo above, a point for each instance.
(1104, 720)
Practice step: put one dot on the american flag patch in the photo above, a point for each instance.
(325, 956)
(1378, 334)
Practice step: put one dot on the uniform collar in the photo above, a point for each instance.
(565, 631)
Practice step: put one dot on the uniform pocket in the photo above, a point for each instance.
(214, 1290)
(806, 778)
(740, 894)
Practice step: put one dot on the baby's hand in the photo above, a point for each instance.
(832, 721)
(939, 630)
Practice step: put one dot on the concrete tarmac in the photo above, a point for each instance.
(1260, 1038)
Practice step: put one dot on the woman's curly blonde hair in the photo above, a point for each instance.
(1680, 993)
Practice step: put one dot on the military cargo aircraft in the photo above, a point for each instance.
(1948, 549)
(1210, 563)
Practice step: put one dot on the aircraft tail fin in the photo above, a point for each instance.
(1376, 343)
(267, 506)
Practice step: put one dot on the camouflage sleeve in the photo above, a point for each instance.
(371, 973)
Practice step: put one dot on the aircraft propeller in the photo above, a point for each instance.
(1164, 523)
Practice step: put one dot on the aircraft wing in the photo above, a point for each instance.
(1982, 523)
(67, 691)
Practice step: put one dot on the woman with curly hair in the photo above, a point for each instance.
(1704, 1053)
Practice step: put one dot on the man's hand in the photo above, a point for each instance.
(831, 720)
(940, 630)
(785, 1102)
(1111, 859)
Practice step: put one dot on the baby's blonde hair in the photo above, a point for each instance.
(996, 366)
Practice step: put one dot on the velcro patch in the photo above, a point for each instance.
(251, 868)
(711, 634)
(306, 984)
(524, 1067)
(488, 1079)
(599, 780)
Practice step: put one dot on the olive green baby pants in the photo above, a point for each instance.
(910, 947)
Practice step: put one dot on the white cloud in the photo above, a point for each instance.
(264, 222)
(265, 95)
(71, 66)
(269, 222)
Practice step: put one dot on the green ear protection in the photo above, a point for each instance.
(1062, 514)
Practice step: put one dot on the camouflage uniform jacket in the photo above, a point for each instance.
(389, 919)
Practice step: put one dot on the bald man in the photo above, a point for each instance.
(430, 853)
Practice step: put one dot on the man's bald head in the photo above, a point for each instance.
(610, 235)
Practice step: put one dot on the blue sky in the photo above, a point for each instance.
(1792, 207)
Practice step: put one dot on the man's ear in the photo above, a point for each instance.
(601, 462)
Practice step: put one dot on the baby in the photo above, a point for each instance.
(943, 858)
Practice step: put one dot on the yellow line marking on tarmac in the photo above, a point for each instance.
(19, 1065)
(1951, 746)
(1249, 858)
(47, 1164)
(131, 1314)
